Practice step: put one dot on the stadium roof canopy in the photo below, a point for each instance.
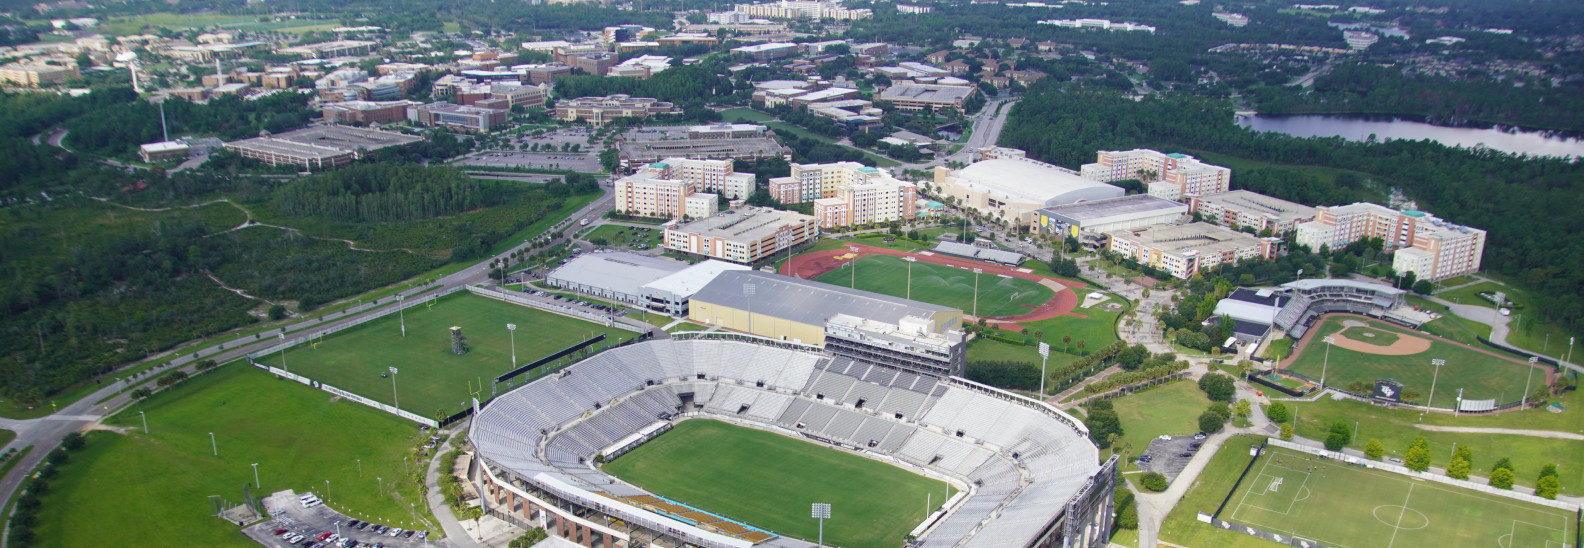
(693, 278)
(808, 301)
(1319, 283)
(1029, 181)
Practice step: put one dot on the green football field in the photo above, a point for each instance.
(429, 377)
(130, 489)
(1481, 376)
(942, 285)
(1337, 504)
(769, 481)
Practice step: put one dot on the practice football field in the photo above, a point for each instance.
(942, 285)
(769, 481)
(1341, 505)
(429, 377)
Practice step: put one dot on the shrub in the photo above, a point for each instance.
(1277, 412)
(1501, 478)
(1210, 422)
(1218, 387)
(1374, 449)
(1154, 481)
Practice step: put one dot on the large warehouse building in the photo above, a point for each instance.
(660, 285)
(1094, 219)
(1012, 189)
(911, 335)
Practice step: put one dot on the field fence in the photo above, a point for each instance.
(569, 311)
(344, 394)
(1399, 469)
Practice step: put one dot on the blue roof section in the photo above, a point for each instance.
(659, 165)
(1412, 213)
(1177, 155)
(867, 169)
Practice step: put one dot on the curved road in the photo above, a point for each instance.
(46, 432)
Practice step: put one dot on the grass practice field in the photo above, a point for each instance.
(942, 285)
(769, 481)
(1338, 504)
(430, 377)
(136, 490)
(1480, 375)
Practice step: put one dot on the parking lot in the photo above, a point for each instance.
(320, 523)
(1169, 456)
(580, 162)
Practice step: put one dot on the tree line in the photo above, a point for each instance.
(383, 192)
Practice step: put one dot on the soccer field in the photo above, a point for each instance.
(1342, 505)
(429, 377)
(942, 285)
(769, 481)
(1481, 375)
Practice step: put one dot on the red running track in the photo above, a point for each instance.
(819, 262)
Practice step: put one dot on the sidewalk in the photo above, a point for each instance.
(456, 535)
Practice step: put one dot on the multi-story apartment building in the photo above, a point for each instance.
(1184, 250)
(1170, 176)
(802, 9)
(1429, 247)
(847, 193)
(35, 74)
(643, 195)
(598, 110)
(1242, 208)
(718, 176)
(673, 188)
(741, 236)
(809, 182)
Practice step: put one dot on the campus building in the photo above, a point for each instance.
(1242, 208)
(633, 152)
(318, 148)
(658, 284)
(471, 119)
(662, 189)
(802, 9)
(1091, 220)
(1185, 250)
(1429, 247)
(847, 193)
(326, 50)
(367, 112)
(598, 110)
(1011, 188)
(922, 96)
(909, 335)
(745, 236)
(36, 74)
(1169, 176)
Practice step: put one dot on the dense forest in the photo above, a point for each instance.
(380, 193)
(1529, 206)
(121, 128)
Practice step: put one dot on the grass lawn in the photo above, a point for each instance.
(1172, 408)
(6, 437)
(685, 326)
(1528, 329)
(1471, 295)
(942, 285)
(1396, 428)
(768, 481)
(1480, 375)
(1457, 328)
(1208, 490)
(1337, 504)
(1373, 336)
(1097, 330)
(430, 377)
(153, 490)
(982, 349)
(1278, 349)
(745, 115)
(625, 236)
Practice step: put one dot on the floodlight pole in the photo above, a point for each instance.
(283, 352)
(145, 422)
(910, 262)
(1438, 362)
(822, 512)
(1044, 351)
(854, 283)
(1530, 378)
(748, 291)
(1324, 365)
(212, 446)
(512, 329)
(1456, 407)
(255, 477)
(402, 313)
(395, 401)
(977, 271)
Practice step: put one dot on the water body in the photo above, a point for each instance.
(1352, 128)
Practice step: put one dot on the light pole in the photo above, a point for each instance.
(1438, 362)
(1458, 406)
(1044, 351)
(854, 283)
(748, 291)
(1324, 365)
(910, 262)
(145, 422)
(977, 272)
(381, 485)
(395, 401)
(327, 489)
(1532, 361)
(283, 351)
(212, 446)
(360, 467)
(401, 312)
(255, 476)
(511, 328)
(821, 511)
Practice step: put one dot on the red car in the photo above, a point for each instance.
(279, 531)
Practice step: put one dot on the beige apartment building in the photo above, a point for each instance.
(1185, 250)
(1170, 176)
(847, 193)
(673, 188)
(1242, 208)
(1429, 247)
(598, 110)
(744, 235)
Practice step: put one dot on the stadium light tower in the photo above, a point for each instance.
(255, 476)
(212, 446)
(977, 272)
(854, 283)
(145, 422)
(748, 291)
(910, 262)
(821, 512)
(283, 351)
(511, 328)
(1532, 361)
(1459, 405)
(395, 401)
(1324, 365)
(1438, 362)
(402, 312)
(1044, 350)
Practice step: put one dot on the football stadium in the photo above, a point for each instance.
(775, 418)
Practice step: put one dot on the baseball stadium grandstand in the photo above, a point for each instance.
(1026, 472)
(1310, 299)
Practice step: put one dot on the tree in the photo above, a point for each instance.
(1423, 287)
(1103, 423)
(1374, 449)
(1548, 487)
(1418, 456)
(1277, 412)
(1218, 387)
(1501, 463)
(1154, 481)
(1458, 469)
(277, 312)
(1286, 431)
(1501, 478)
(1338, 435)
(1210, 422)
(1243, 408)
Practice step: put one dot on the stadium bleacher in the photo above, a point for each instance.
(1023, 461)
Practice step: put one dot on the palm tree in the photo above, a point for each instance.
(1081, 345)
(1067, 343)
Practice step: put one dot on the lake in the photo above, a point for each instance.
(1503, 138)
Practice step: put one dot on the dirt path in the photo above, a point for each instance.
(1512, 431)
(810, 265)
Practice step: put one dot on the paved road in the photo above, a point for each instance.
(45, 433)
(1513, 431)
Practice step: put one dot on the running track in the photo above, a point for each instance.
(813, 264)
